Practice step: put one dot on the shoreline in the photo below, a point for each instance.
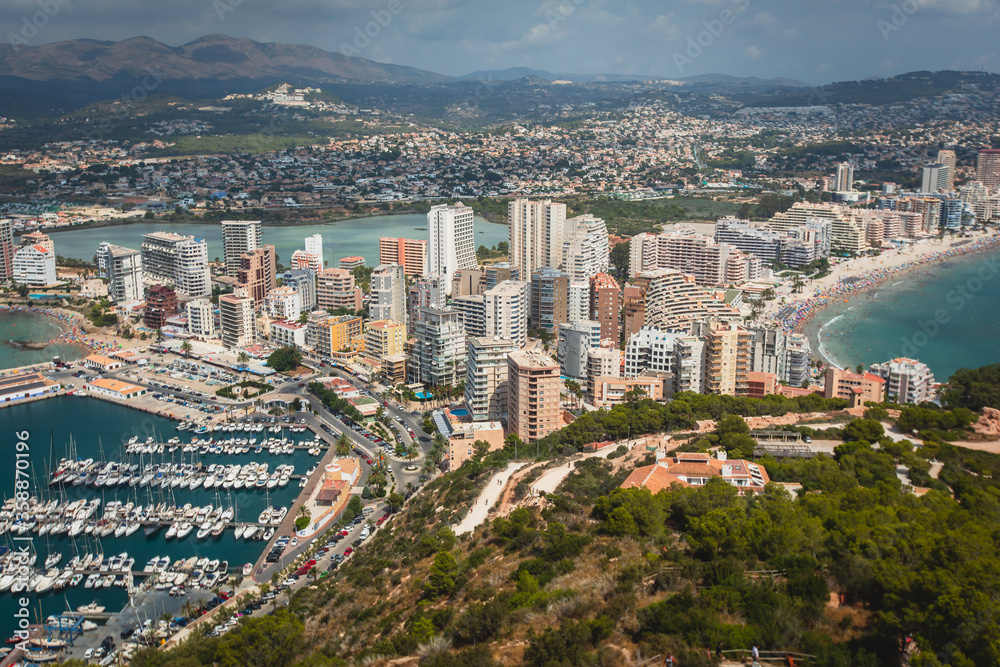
(73, 332)
(125, 222)
(845, 283)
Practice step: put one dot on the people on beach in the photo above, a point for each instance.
(793, 317)
(74, 333)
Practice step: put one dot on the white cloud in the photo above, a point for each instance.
(664, 26)
(752, 52)
(763, 19)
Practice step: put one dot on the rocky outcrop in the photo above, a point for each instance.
(989, 422)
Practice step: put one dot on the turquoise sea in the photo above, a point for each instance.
(94, 426)
(26, 327)
(340, 239)
(946, 315)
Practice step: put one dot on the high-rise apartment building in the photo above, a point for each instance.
(549, 299)
(238, 238)
(439, 352)
(578, 306)
(506, 311)
(332, 334)
(634, 306)
(674, 301)
(427, 292)
(907, 380)
(844, 181)
(603, 363)
(497, 273)
(237, 320)
(467, 281)
(302, 281)
(161, 303)
(650, 350)
(181, 261)
(727, 357)
(988, 168)
(856, 388)
(471, 311)
(935, 178)
(574, 341)
(388, 293)
(533, 409)
(486, 378)
(846, 234)
(535, 232)
(35, 266)
(283, 303)
(201, 318)
(37, 238)
(689, 364)
(351, 263)
(798, 359)
(123, 269)
(793, 248)
(948, 159)
(585, 250)
(384, 338)
(452, 244)
(257, 274)
(411, 254)
(336, 289)
(605, 305)
(6, 249)
(311, 257)
(682, 248)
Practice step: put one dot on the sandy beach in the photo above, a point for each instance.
(77, 331)
(852, 277)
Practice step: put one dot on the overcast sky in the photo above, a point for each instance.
(817, 41)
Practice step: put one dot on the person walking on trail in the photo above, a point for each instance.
(755, 654)
(669, 660)
(718, 650)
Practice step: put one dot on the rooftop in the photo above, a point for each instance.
(116, 385)
(533, 359)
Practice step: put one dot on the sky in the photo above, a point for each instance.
(816, 41)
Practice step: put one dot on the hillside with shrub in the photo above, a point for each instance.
(842, 566)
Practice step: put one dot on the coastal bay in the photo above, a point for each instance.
(935, 301)
(358, 236)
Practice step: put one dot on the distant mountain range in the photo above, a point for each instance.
(215, 57)
(53, 79)
(235, 60)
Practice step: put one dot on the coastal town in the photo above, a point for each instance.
(224, 437)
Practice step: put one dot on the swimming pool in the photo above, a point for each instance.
(460, 412)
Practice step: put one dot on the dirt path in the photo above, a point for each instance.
(490, 495)
(508, 490)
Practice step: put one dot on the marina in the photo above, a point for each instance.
(126, 505)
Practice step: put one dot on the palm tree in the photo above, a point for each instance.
(430, 467)
(409, 489)
(186, 349)
(376, 478)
